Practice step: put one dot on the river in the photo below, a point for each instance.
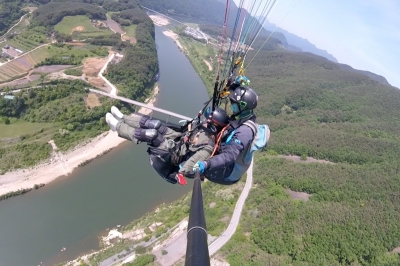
(73, 211)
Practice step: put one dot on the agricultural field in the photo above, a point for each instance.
(130, 33)
(22, 65)
(29, 39)
(80, 26)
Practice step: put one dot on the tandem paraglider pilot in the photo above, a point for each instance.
(240, 140)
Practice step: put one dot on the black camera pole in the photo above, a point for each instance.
(197, 247)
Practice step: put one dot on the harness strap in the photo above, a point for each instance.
(219, 137)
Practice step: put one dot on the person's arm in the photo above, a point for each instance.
(200, 155)
(230, 152)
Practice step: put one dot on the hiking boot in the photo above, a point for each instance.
(111, 121)
(117, 113)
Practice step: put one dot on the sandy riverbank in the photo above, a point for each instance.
(63, 164)
(175, 37)
(162, 21)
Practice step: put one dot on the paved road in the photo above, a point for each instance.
(227, 234)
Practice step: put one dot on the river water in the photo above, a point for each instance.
(73, 211)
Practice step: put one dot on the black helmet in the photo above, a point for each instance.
(219, 117)
(244, 97)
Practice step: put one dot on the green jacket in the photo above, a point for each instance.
(199, 148)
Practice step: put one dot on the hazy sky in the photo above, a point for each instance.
(364, 34)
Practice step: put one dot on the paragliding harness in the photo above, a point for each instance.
(166, 161)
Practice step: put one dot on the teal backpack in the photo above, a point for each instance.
(261, 135)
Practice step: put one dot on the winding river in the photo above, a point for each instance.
(74, 211)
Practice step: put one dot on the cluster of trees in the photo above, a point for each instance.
(110, 40)
(11, 108)
(137, 69)
(130, 16)
(62, 60)
(10, 13)
(110, 5)
(53, 12)
(61, 104)
(349, 220)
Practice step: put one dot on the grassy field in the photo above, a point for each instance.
(20, 128)
(130, 30)
(80, 25)
(197, 53)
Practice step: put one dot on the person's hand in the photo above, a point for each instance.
(201, 166)
(181, 179)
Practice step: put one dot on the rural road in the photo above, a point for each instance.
(113, 88)
(228, 233)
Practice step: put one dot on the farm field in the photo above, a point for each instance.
(23, 64)
(81, 26)
(130, 33)
(29, 39)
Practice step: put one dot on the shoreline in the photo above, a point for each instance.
(63, 164)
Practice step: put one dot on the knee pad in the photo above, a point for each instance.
(146, 122)
(151, 136)
(142, 121)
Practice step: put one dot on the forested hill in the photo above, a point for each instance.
(52, 13)
(316, 108)
(10, 13)
(208, 11)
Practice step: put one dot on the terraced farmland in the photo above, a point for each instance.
(23, 64)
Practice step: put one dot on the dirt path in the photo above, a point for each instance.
(298, 159)
(208, 64)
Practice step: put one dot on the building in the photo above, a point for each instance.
(9, 97)
(8, 51)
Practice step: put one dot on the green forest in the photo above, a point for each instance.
(316, 109)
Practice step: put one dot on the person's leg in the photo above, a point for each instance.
(139, 121)
(125, 131)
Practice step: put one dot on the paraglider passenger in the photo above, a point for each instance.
(172, 154)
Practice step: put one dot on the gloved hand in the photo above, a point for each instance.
(201, 165)
(181, 179)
